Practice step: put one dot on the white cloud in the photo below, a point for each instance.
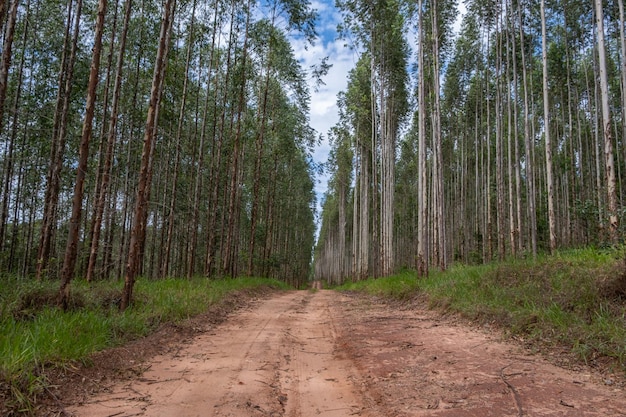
(324, 112)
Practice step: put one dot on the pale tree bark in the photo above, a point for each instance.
(548, 144)
(622, 38)
(438, 190)
(69, 260)
(500, 212)
(606, 127)
(387, 179)
(136, 237)
(356, 210)
(422, 221)
(513, 147)
(373, 246)
(363, 268)
(487, 169)
(529, 162)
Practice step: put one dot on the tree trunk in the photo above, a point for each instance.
(6, 62)
(108, 159)
(69, 261)
(606, 127)
(137, 235)
(165, 270)
(422, 221)
(59, 133)
(548, 144)
(529, 168)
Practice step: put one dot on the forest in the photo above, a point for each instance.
(173, 139)
(502, 140)
(157, 139)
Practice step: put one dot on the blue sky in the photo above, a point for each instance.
(324, 112)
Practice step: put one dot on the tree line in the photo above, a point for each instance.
(156, 138)
(502, 140)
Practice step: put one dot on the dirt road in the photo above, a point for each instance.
(328, 354)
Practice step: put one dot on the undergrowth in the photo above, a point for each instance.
(574, 300)
(34, 333)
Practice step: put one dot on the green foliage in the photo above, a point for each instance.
(575, 299)
(35, 333)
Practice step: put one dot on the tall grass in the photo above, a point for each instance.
(34, 332)
(574, 300)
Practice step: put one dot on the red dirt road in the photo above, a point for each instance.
(327, 354)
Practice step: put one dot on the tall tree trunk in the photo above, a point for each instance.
(191, 255)
(7, 52)
(59, 134)
(111, 135)
(438, 190)
(141, 202)
(179, 132)
(219, 132)
(622, 38)
(422, 221)
(229, 263)
(6, 62)
(257, 166)
(500, 211)
(529, 167)
(548, 144)
(69, 261)
(606, 127)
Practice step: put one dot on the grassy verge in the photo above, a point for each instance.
(34, 333)
(575, 300)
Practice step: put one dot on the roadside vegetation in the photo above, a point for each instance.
(574, 301)
(35, 333)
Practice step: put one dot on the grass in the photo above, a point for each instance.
(34, 333)
(574, 300)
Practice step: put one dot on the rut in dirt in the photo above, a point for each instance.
(329, 354)
(276, 359)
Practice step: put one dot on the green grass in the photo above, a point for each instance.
(35, 333)
(574, 300)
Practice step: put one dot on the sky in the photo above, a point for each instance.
(324, 112)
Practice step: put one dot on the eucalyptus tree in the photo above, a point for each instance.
(140, 212)
(331, 260)
(278, 70)
(59, 134)
(110, 144)
(165, 266)
(208, 121)
(546, 132)
(606, 125)
(69, 260)
(459, 115)
(358, 103)
(230, 249)
(7, 53)
(379, 27)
